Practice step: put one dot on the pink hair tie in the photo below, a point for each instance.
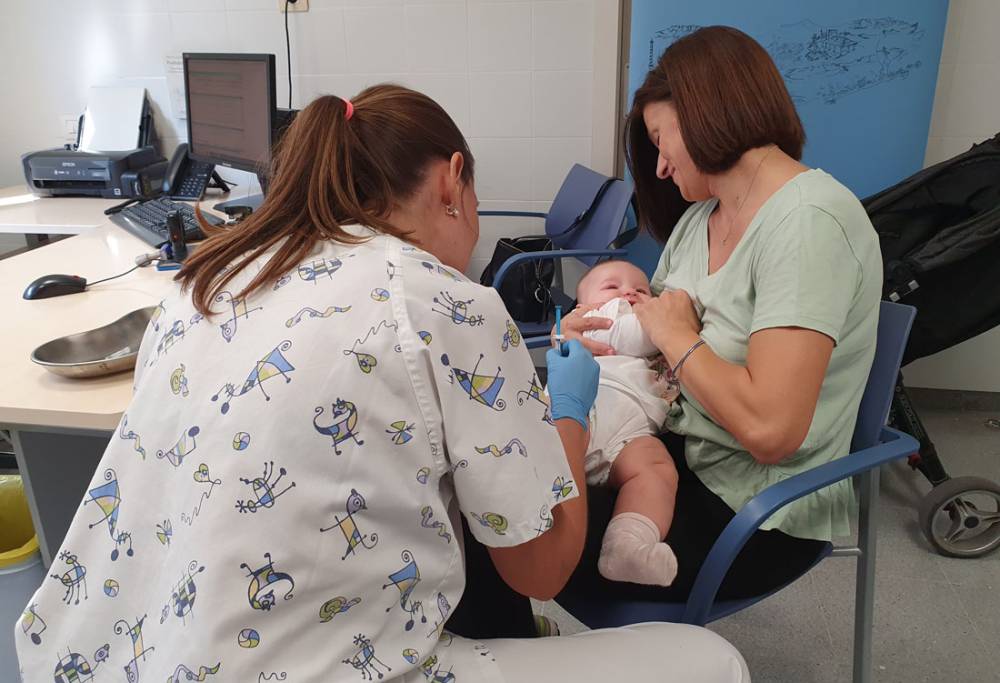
(349, 110)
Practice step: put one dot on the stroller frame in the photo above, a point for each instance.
(940, 224)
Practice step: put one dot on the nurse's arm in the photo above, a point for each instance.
(769, 404)
(541, 567)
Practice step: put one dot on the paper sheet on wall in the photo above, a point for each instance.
(174, 66)
(112, 119)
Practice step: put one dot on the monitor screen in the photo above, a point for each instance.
(230, 107)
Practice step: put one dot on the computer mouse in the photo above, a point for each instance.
(55, 285)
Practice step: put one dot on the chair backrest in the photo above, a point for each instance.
(644, 252)
(894, 323)
(576, 195)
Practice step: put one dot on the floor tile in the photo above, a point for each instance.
(786, 637)
(981, 603)
(921, 631)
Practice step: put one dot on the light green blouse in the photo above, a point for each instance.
(809, 258)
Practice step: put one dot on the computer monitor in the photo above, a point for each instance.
(231, 108)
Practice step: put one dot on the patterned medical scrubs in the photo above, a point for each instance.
(280, 501)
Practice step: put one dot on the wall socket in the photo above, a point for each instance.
(299, 6)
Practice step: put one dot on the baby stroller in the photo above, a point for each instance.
(939, 232)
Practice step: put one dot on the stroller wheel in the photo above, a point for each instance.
(961, 517)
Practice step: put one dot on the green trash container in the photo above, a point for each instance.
(21, 572)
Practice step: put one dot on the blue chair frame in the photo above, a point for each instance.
(873, 445)
(588, 243)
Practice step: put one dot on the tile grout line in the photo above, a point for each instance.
(823, 610)
(972, 622)
(531, 119)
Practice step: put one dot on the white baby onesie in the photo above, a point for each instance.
(634, 393)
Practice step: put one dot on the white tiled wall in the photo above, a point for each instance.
(519, 77)
(966, 111)
(967, 100)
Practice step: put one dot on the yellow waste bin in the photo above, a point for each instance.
(21, 572)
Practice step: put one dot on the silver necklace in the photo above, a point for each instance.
(739, 207)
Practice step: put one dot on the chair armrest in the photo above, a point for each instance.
(892, 445)
(551, 256)
(516, 214)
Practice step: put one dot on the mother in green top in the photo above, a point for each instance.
(769, 289)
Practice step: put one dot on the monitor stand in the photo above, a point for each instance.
(218, 182)
(253, 201)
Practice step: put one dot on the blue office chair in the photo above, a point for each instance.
(585, 219)
(873, 445)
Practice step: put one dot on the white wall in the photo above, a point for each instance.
(966, 111)
(528, 82)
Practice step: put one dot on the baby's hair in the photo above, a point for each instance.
(598, 267)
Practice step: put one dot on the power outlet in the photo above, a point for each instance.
(299, 6)
(68, 124)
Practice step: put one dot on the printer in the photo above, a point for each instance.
(133, 173)
(117, 119)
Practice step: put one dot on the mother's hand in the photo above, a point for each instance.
(574, 325)
(669, 317)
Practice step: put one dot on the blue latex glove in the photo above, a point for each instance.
(572, 382)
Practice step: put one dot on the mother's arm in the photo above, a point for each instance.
(767, 405)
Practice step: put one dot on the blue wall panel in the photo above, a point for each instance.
(862, 72)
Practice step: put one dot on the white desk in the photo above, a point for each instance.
(26, 213)
(59, 426)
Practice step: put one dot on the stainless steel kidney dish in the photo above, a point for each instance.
(104, 351)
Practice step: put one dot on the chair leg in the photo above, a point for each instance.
(865, 582)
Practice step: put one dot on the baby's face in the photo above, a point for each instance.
(616, 279)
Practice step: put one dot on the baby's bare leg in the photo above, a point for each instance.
(646, 479)
(632, 549)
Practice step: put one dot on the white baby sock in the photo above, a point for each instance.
(632, 551)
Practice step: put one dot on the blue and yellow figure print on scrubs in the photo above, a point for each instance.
(281, 501)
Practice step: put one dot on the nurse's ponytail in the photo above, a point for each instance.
(340, 162)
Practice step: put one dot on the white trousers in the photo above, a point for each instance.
(644, 653)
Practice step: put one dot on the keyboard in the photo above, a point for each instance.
(148, 220)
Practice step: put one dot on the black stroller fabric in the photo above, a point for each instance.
(940, 236)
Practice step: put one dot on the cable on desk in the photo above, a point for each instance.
(97, 282)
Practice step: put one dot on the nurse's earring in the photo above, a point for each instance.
(451, 210)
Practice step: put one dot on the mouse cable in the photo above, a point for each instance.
(97, 282)
(141, 261)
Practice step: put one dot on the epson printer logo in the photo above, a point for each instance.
(71, 164)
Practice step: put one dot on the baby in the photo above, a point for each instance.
(632, 402)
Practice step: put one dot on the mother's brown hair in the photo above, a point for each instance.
(328, 171)
(730, 98)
